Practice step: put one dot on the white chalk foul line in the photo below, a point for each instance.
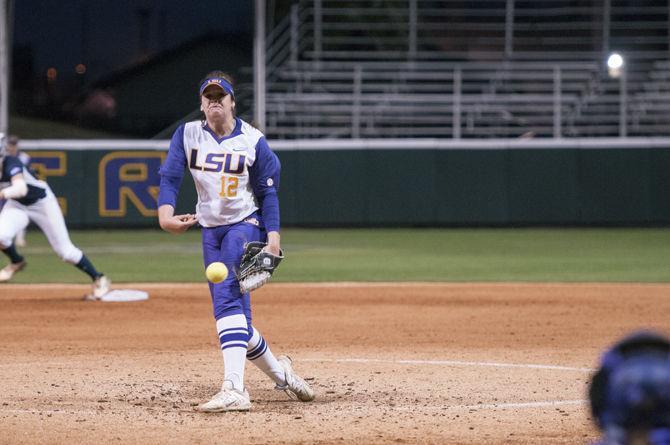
(48, 411)
(451, 363)
(512, 405)
(504, 405)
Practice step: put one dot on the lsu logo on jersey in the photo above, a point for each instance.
(218, 162)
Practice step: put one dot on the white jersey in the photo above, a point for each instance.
(220, 170)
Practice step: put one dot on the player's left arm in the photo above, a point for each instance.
(264, 176)
(19, 188)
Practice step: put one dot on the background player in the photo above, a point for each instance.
(13, 150)
(29, 199)
(236, 176)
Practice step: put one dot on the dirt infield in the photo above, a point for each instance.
(391, 363)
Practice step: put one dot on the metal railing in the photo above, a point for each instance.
(437, 99)
(446, 68)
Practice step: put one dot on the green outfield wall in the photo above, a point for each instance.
(374, 186)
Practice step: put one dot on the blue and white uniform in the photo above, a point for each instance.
(25, 160)
(236, 178)
(38, 205)
(12, 166)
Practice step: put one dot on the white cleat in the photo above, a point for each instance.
(295, 386)
(101, 286)
(228, 399)
(9, 270)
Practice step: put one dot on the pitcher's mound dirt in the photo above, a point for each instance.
(390, 363)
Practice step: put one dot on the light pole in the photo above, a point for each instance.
(616, 68)
(259, 65)
(4, 67)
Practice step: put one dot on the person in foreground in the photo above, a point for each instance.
(236, 176)
(630, 393)
(29, 199)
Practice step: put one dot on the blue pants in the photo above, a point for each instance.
(226, 244)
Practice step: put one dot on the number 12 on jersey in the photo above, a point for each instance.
(229, 186)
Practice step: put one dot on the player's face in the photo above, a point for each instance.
(216, 104)
(12, 149)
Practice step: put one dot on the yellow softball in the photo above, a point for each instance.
(216, 272)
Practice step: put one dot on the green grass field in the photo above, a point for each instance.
(568, 255)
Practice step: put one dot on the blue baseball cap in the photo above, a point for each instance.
(219, 82)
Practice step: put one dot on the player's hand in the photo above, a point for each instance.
(274, 243)
(178, 223)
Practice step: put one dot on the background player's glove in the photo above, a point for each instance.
(256, 266)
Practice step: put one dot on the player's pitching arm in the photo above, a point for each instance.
(174, 223)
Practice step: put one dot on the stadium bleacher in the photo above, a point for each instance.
(458, 69)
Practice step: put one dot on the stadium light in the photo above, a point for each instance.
(615, 64)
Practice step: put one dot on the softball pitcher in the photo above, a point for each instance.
(236, 176)
(29, 199)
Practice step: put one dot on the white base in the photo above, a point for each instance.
(124, 295)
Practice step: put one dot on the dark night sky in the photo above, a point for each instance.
(110, 34)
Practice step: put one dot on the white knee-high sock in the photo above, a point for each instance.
(233, 336)
(258, 352)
